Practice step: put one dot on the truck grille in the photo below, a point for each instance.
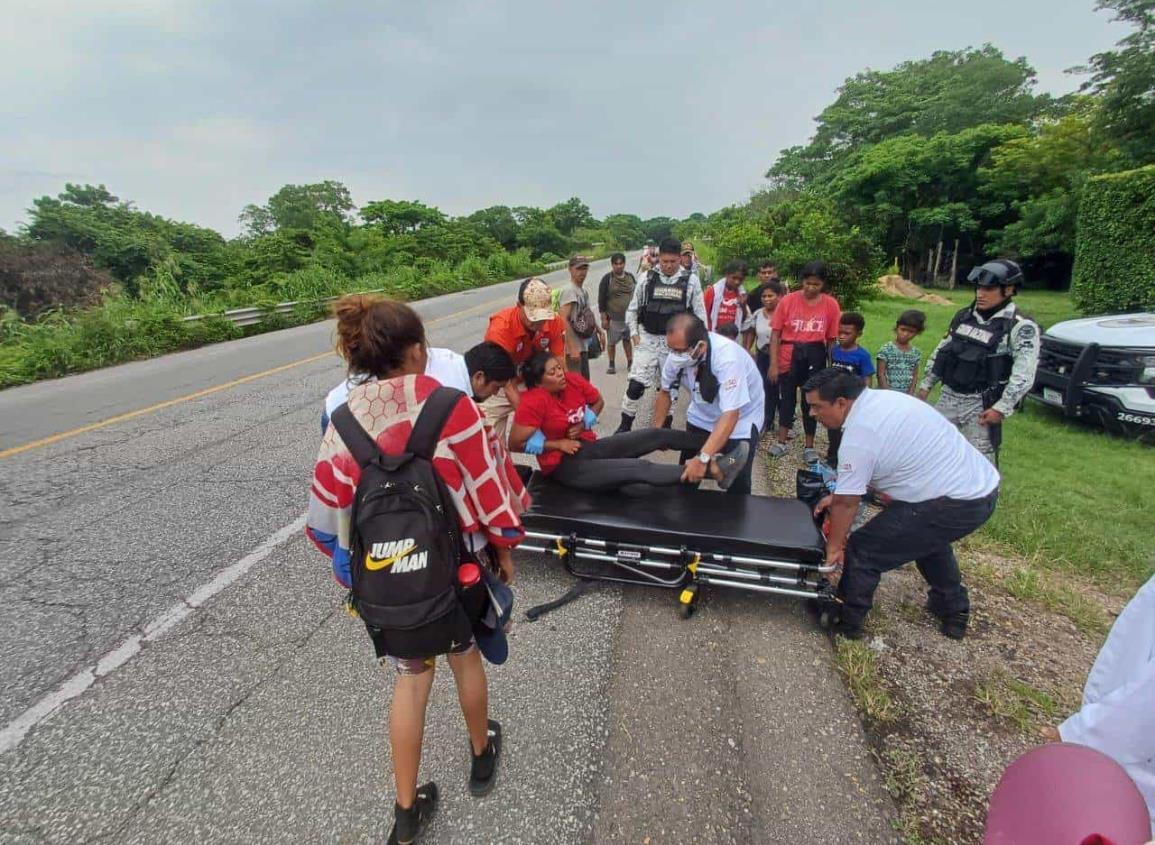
(1112, 367)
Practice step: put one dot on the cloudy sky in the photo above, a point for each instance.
(194, 108)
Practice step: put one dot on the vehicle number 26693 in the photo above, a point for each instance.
(1123, 416)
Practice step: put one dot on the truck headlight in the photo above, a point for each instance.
(1147, 373)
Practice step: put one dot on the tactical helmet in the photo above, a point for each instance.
(998, 273)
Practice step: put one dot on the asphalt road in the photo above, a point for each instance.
(152, 573)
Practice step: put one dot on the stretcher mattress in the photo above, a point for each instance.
(700, 520)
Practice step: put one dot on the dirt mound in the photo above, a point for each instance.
(896, 285)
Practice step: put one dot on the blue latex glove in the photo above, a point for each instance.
(591, 419)
(536, 443)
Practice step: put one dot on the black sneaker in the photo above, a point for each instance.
(732, 463)
(850, 630)
(483, 771)
(955, 625)
(408, 823)
(626, 424)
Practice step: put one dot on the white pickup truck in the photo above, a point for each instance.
(1101, 369)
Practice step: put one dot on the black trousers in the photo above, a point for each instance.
(744, 483)
(834, 437)
(773, 391)
(581, 365)
(922, 532)
(805, 360)
(612, 462)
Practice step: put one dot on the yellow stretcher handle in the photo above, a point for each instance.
(562, 551)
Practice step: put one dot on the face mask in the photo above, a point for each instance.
(682, 360)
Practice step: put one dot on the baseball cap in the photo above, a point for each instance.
(579, 261)
(687, 247)
(536, 297)
(490, 631)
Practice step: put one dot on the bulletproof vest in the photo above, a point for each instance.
(664, 300)
(971, 362)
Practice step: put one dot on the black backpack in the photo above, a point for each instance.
(406, 541)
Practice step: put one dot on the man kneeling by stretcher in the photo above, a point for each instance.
(555, 421)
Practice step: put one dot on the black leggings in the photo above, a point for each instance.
(612, 462)
(806, 360)
(773, 399)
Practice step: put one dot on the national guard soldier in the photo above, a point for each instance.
(987, 360)
(668, 289)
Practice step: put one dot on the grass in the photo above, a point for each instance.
(858, 665)
(1074, 498)
(1014, 701)
(124, 329)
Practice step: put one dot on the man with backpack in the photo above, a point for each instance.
(581, 326)
(666, 290)
(408, 500)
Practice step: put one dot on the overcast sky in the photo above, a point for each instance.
(193, 108)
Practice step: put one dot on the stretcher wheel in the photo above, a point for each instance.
(687, 601)
(826, 620)
(685, 611)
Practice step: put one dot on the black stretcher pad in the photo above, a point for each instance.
(702, 521)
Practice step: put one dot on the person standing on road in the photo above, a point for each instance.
(667, 290)
(898, 359)
(987, 360)
(444, 365)
(937, 488)
(726, 301)
(580, 323)
(614, 294)
(521, 330)
(805, 327)
(386, 340)
(772, 291)
(727, 399)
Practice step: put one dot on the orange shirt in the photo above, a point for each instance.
(508, 332)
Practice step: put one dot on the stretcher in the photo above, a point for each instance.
(679, 538)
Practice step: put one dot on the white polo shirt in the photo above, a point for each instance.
(445, 365)
(904, 447)
(739, 388)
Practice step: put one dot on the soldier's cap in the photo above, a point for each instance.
(579, 261)
(687, 247)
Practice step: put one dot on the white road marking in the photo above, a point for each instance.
(15, 731)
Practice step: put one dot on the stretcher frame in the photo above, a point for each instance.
(682, 568)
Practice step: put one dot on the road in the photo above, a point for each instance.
(155, 584)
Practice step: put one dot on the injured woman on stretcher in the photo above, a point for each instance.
(555, 421)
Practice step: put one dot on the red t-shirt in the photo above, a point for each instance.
(727, 310)
(800, 321)
(555, 414)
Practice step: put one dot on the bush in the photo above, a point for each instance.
(38, 277)
(1115, 244)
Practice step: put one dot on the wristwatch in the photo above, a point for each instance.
(705, 458)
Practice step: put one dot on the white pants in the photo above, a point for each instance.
(649, 358)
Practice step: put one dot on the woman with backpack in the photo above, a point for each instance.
(386, 340)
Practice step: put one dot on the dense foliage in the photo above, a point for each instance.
(940, 163)
(1115, 263)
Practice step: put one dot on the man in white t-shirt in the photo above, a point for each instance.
(726, 396)
(938, 488)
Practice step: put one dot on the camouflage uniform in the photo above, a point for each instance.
(963, 409)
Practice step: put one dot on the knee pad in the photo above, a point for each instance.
(635, 390)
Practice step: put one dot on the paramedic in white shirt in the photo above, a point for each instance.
(482, 372)
(938, 488)
(726, 396)
(1118, 715)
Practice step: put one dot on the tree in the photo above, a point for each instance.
(570, 215)
(1124, 80)
(399, 217)
(542, 236)
(1036, 180)
(658, 229)
(947, 93)
(626, 230)
(500, 224)
(300, 207)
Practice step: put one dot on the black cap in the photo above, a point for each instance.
(998, 273)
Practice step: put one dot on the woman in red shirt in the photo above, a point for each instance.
(803, 328)
(561, 408)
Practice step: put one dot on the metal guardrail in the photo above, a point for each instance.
(254, 314)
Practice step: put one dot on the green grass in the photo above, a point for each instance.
(1017, 702)
(858, 665)
(1073, 498)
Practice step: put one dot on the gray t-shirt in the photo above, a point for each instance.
(572, 293)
